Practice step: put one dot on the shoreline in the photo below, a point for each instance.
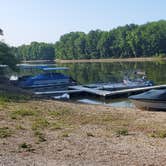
(111, 60)
(49, 132)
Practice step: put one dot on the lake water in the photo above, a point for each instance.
(86, 73)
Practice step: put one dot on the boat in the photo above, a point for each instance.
(150, 100)
(125, 84)
(49, 78)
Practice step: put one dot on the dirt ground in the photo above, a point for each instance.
(51, 133)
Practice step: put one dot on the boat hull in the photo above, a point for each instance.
(150, 104)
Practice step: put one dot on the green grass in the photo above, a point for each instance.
(89, 134)
(61, 112)
(26, 147)
(40, 123)
(158, 134)
(122, 132)
(22, 113)
(40, 136)
(12, 97)
(5, 132)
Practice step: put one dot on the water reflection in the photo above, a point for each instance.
(105, 72)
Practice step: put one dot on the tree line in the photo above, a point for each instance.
(122, 42)
(35, 51)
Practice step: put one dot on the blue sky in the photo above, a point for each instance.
(24, 21)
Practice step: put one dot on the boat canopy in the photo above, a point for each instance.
(41, 67)
(54, 68)
(158, 95)
(32, 66)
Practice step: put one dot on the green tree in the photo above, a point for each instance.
(6, 56)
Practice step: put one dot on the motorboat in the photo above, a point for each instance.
(49, 78)
(153, 99)
(125, 84)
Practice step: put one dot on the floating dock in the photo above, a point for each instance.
(99, 92)
(105, 93)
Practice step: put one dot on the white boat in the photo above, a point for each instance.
(153, 99)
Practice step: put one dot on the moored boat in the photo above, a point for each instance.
(49, 78)
(153, 99)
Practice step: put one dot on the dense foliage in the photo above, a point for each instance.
(6, 55)
(35, 51)
(122, 42)
(127, 41)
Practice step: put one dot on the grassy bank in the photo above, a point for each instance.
(112, 60)
(39, 132)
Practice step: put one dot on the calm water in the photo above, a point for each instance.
(86, 73)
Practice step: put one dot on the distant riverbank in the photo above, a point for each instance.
(111, 60)
(97, 60)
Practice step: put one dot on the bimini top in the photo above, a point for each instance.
(41, 67)
(54, 68)
(32, 66)
(158, 95)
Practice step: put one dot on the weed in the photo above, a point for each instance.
(19, 127)
(89, 134)
(122, 132)
(22, 113)
(40, 123)
(26, 146)
(40, 136)
(65, 134)
(60, 112)
(23, 145)
(5, 132)
(158, 134)
(57, 126)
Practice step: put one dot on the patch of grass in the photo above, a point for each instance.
(27, 147)
(9, 97)
(61, 112)
(5, 132)
(158, 134)
(40, 136)
(65, 134)
(22, 113)
(23, 145)
(40, 123)
(122, 132)
(89, 134)
(57, 126)
(20, 127)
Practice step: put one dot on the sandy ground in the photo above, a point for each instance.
(88, 135)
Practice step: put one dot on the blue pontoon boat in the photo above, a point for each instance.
(50, 77)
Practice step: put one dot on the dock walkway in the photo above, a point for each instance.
(105, 93)
(99, 92)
